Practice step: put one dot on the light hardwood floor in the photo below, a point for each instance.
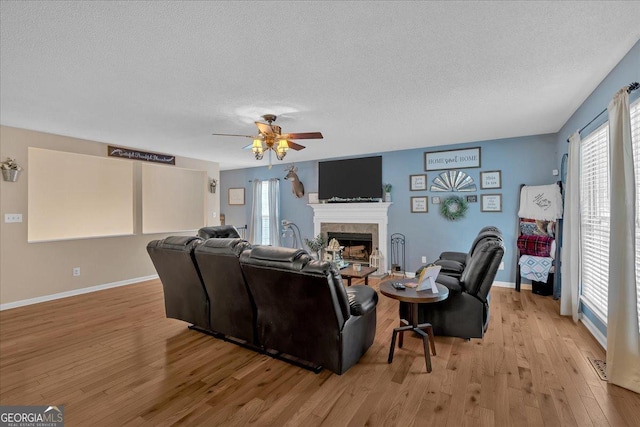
(112, 358)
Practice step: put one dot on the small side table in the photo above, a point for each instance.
(414, 298)
(349, 273)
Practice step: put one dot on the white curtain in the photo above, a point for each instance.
(570, 257)
(262, 206)
(623, 336)
(255, 226)
(274, 211)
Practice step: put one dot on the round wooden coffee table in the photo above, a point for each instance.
(414, 298)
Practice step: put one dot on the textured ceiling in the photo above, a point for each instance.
(371, 76)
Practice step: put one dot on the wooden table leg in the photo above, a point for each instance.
(393, 339)
(366, 280)
(401, 340)
(425, 344)
(349, 281)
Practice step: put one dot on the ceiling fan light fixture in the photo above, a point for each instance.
(270, 138)
(281, 149)
(257, 148)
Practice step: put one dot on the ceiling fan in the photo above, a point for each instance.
(270, 138)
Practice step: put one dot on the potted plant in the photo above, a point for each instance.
(316, 245)
(10, 170)
(387, 192)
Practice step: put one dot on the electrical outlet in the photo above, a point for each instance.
(424, 259)
(501, 267)
(76, 271)
(12, 217)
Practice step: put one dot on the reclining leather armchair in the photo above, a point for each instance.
(219, 232)
(453, 263)
(465, 313)
(231, 307)
(185, 297)
(303, 309)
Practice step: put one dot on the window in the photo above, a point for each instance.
(594, 207)
(264, 215)
(594, 215)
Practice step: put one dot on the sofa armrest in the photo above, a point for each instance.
(452, 283)
(362, 299)
(460, 257)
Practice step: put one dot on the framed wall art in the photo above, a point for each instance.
(452, 159)
(236, 196)
(419, 204)
(435, 200)
(472, 198)
(418, 182)
(491, 203)
(313, 198)
(490, 179)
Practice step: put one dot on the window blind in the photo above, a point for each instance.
(594, 226)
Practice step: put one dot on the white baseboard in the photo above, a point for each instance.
(74, 292)
(512, 285)
(599, 336)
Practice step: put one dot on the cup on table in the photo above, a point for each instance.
(357, 267)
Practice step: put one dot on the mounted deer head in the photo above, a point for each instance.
(296, 186)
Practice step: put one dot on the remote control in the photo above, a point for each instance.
(399, 286)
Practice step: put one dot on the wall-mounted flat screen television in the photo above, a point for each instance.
(350, 179)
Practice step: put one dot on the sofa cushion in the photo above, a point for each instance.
(223, 246)
(362, 299)
(176, 242)
(450, 266)
(219, 232)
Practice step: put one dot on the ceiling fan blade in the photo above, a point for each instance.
(303, 135)
(233, 134)
(264, 128)
(292, 145)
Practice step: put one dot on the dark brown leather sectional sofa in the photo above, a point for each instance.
(275, 300)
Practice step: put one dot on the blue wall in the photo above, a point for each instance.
(527, 160)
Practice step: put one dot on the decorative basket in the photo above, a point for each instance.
(10, 175)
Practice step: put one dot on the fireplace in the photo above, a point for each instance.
(357, 246)
(370, 218)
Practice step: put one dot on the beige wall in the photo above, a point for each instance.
(30, 270)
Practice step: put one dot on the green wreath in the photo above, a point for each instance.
(453, 208)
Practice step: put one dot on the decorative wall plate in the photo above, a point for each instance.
(453, 181)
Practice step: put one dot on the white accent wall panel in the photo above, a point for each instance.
(173, 199)
(78, 196)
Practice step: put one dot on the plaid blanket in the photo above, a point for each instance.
(535, 245)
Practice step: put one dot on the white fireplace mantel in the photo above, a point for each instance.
(360, 213)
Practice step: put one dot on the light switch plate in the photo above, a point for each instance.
(12, 217)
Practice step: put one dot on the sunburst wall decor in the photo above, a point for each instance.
(453, 181)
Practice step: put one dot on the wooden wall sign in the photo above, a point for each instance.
(128, 153)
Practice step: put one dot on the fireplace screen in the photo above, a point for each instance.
(357, 246)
